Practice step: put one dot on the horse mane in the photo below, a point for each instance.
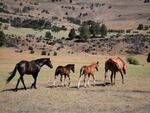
(40, 59)
(69, 65)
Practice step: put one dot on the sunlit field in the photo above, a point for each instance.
(128, 97)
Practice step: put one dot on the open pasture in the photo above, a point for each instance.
(131, 97)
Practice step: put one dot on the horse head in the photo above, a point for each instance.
(73, 67)
(97, 65)
(48, 62)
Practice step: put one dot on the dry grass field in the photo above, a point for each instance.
(131, 97)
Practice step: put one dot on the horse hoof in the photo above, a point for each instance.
(15, 90)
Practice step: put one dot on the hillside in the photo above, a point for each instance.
(116, 14)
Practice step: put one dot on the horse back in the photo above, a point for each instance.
(26, 67)
(118, 62)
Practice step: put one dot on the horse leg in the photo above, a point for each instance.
(88, 80)
(69, 80)
(22, 80)
(64, 80)
(94, 80)
(17, 84)
(35, 79)
(114, 78)
(84, 81)
(105, 76)
(61, 77)
(111, 77)
(79, 81)
(122, 77)
(54, 81)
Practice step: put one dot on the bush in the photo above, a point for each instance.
(48, 35)
(32, 52)
(2, 38)
(43, 52)
(132, 60)
(148, 57)
(74, 20)
(30, 48)
(55, 53)
(140, 27)
(72, 34)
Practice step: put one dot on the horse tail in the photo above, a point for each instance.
(12, 74)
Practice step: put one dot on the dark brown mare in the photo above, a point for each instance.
(64, 71)
(88, 70)
(29, 67)
(115, 65)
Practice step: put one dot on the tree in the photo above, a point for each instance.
(72, 34)
(84, 31)
(16, 22)
(140, 27)
(103, 30)
(48, 35)
(95, 29)
(2, 38)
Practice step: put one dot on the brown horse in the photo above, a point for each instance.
(64, 71)
(88, 70)
(115, 65)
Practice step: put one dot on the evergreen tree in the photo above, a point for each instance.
(84, 32)
(2, 38)
(103, 30)
(72, 34)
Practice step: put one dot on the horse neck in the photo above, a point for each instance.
(69, 67)
(93, 65)
(40, 62)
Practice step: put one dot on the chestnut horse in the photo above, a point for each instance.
(64, 71)
(29, 67)
(88, 70)
(115, 65)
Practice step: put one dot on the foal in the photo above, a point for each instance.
(88, 70)
(64, 71)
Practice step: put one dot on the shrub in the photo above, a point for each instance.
(48, 35)
(72, 34)
(30, 48)
(140, 27)
(2, 38)
(132, 60)
(74, 20)
(148, 57)
(55, 28)
(32, 52)
(55, 53)
(43, 52)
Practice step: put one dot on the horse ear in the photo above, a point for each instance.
(97, 62)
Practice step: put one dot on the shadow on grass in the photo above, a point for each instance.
(13, 89)
(140, 91)
(51, 86)
(102, 84)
